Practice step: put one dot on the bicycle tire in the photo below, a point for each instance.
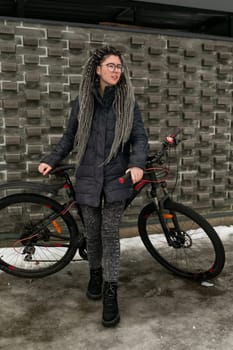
(202, 258)
(37, 238)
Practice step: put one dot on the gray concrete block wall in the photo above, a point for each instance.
(178, 81)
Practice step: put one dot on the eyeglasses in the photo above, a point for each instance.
(113, 67)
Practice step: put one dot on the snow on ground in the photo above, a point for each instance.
(224, 231)
(128, 243)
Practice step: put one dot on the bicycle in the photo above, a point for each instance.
(39, 235)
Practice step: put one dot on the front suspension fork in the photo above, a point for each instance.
(164, 215)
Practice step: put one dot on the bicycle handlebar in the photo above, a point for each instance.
(170, 141)
(59, 170)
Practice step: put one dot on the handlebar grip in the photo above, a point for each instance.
(123, 178)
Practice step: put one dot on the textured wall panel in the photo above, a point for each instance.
(178, 81)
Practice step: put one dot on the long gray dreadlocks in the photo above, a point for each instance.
(123, 103)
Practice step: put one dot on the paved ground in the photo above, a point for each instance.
(158, 310)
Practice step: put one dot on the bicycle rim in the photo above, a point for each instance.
(36, 238)
(198, 254)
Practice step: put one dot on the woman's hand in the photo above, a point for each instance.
(44, 168)
(136, 174)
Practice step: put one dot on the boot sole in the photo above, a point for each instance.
(94, 296)
(111, 323)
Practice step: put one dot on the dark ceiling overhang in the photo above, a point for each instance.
(168, 15)
(210, 5)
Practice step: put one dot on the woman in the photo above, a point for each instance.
(106, 131)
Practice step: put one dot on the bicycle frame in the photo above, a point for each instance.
(167, 228)
(151, 179)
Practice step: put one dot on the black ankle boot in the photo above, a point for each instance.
(94, 289)
(111, 314)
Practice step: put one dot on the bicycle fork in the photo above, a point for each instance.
(175, 236)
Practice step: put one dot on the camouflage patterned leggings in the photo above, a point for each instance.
(103, 242)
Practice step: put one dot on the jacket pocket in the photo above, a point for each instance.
(117, 166)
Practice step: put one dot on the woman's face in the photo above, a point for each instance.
(109, 71)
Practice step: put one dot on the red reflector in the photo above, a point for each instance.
(121, 180)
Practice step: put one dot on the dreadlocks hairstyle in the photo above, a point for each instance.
(123, 103)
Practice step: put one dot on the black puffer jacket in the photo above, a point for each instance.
(94, 178)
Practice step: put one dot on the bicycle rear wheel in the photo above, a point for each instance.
(36, 237)
(196, 251)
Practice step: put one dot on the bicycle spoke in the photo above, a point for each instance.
(198, 257)
(33, 236)
(185, 243)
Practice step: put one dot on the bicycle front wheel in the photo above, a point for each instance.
(195, 251)
(36, 237)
